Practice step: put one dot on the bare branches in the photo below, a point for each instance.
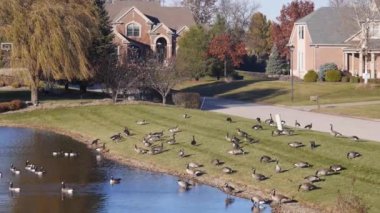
(339, 3)
(202, 10)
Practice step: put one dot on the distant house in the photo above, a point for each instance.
(141, 26)
(332, 35)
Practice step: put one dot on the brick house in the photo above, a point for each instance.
(141, 26)
(332, 35)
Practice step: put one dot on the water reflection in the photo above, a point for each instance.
(88, 174)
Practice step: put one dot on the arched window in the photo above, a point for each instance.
(133, 29)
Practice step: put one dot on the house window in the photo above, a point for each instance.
(133, 30)
(301, 33)
(376, 31)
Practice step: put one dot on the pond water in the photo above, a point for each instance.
(139, 191)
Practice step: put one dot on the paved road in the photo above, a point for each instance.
(365, 129)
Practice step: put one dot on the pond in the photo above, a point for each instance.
(88, 175)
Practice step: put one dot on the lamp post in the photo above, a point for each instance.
(291, 47)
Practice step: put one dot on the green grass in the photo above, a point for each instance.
(366, 111)
(209, 130)
(278, 92)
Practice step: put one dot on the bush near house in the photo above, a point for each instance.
(323, 68)
(354, 79)
(311, 76)
(11, 106)
(333, 76)
(345, 79)
(187, 99)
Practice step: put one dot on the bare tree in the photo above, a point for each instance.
(162, 76)
(339, 3)
(202, 10)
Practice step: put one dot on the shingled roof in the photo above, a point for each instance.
(329, 25)
(173, 17)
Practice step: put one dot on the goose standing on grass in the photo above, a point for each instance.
(66, 190)
(181, 153)
(216, 162)
(258, 120)
(269, 120)
(352, 155)
(194, 165)
(257, 127)
(186, 116)
(141, 122)
(278, 198)
(306, 186)
(302, 164)
(276, 132)
(95, 142)
(309, 126)
(14, 170)
(228, 189)
(140, 150)
(333, 132)
(229, 119)
(324, 172)
(336, 167)
(258, 176)
(278, 168)
(115, 180)
(241, 132)
(297, 124)
(172, 140)
(227, 170)
(312, 178)
(174, 129)
(239, 151)
(355, 138)
(265, 159)
(193, 141)
(13, 189)
(296, 144)
(127, 132)
(313, 145)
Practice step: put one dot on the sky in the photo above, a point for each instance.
(272, 8)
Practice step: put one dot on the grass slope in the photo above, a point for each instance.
(365, 111)
(209, 130)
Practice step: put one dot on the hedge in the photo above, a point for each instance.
(11, 106)
(333, 76)
(187, 99)
(311, 76)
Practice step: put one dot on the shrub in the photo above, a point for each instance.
(311, 76)
(345, 79)
(12, 105)
(374, 81)
(333, 76)
(354, 79)
(187, 99)
(235, 76)
(323, 68)
(16, 85)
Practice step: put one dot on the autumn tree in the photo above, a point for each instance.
(259, 36)
(50, 38)
(192, 52)
(227, 50)
(290, 13)
(202, 10)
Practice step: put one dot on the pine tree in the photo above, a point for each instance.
(275, 65)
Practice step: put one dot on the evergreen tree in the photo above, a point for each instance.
(276, 65)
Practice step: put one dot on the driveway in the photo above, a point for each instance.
(364, 129)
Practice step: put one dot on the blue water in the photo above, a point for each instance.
(139, 191)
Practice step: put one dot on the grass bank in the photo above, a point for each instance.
(278, 92)
(209, 130)
(371, 111)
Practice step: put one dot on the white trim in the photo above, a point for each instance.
(123, 39)
(182, 29)
(162, 36)
(126, 31)
(137, 11)
(162, 24)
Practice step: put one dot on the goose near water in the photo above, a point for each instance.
(183, 184)
(12, 188)
(66, 190)
(14, 170)
(278, 198)
(115, 180)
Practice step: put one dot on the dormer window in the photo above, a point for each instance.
(301, 32)
(133, 30)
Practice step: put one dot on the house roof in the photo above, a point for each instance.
(329, 25)
(173, 17)
(373, 44)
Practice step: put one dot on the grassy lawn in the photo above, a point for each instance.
(365, 111)
(278, 92)
(209, 130)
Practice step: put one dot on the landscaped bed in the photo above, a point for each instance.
(209, 130)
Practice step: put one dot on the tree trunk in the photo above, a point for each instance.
(163, 99)
(34, 94)
(114, 96)
(67, 86)
(225, 69)
(83, 87)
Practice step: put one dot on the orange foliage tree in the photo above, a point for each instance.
(225, 49)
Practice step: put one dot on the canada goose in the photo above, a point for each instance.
(146, 143)
(235, 145)
(237, 152)
(287, 132)
(183, 184)
(336, 167)
(13, 189)
(228, 189)
(127, 132)
(193, 165)
(276, 132)
(297, 124)
(193, 172)
(352, 155)
(241, 133)
(101, 148)
(257, 127)
(251, 140)
(14, 170)
(235, 140)
(174, 129)
(57, 153)
(186, 116)
(227, 170)
(265, 159)
(229, 119)
(39, 171)
(95, 142)
(278, 198)
(355, 138)
(306, 186)
(256, 199)
(65, 190)
(181, 153)
(257, 176)
(28, 165)
(333, 132)
(115, 180)
(324, 172)
(193, 141)
(140, 150)
(141, 122)
(283, 122)
(116, 137)
(73, 154)
(157, 134)
(312, 178)
(269, 120)
(228, 201)
(313, 145)
(295, 144)
(278, 168)
(172, 140)
(258, 120)
(157, 149)
(227, 137)
(309, 126)
(216, 162)
(302, 164)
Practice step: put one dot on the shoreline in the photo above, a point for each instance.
(247, 191)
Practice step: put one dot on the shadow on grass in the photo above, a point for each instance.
(24, 95)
